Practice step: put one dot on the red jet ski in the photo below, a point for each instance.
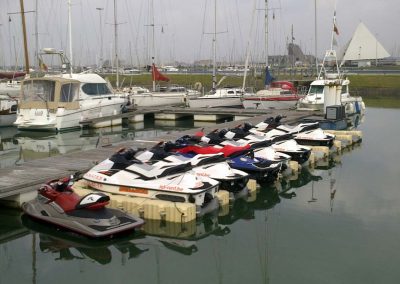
(59, 205)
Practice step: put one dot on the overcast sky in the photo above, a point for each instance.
(183, 27)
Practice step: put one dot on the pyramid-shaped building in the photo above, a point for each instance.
(363, 47)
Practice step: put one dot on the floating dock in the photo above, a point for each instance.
(20, 183)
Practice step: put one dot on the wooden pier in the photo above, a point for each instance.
(179, 113)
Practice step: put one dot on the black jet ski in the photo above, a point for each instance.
(58, 204)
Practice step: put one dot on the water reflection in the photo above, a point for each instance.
(17, 147)
(183, 238)
(66, 245)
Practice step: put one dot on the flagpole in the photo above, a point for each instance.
(70, 38)
(116, 42)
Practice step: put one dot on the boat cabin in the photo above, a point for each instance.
(54, 92)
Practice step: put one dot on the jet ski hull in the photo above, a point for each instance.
(97, 223)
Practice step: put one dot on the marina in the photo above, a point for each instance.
(198, 142)
(328, 207)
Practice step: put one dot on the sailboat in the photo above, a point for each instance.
(141, 97)
(10, 87)
(218, 97)
(173, 95)
(9, 91)
(277, 94)
(328, 76)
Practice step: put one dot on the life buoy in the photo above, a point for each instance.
(197, 86)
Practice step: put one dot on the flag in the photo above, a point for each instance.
(335, 28)
(157, 76)
(268, 77)
(42, 65)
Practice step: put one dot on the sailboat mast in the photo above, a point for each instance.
(153, 46)
(101, 38)
(266, 33)
(70, 37)
(37, 36)
(214, 74)
(24, 34)
(116, 42)
(315, 36)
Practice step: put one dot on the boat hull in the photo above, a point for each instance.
(202, 102)
(92, 223)
(62, 119)
(157, 99)
(270, 103)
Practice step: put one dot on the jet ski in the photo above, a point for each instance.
(299, 153)
(239, 157)
(308, 133)
(214, 166)
(58, 204)
(261, 146)
(123, 174)
(275, 123)
(315, 137)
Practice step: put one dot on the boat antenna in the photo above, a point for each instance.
(70, 37)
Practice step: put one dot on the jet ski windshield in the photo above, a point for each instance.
(124, 158)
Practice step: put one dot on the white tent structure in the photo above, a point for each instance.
(363, 47)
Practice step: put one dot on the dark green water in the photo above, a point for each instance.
(340, 226)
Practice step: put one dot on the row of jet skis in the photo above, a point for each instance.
(191, 169)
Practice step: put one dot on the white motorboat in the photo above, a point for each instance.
(9, 92)
(315, 96)
(176, 182)
(331, 75)
(60, 102)
(11, 88)
(222, 97)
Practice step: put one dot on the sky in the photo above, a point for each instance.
(183, 28)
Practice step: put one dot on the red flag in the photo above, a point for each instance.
(157, 76)
(335, 29)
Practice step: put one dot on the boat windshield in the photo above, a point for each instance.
(95, 89)
(38, 90)
(69, 92)
(345, 89)
(316, 89)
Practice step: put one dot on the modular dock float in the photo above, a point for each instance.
(20, 183)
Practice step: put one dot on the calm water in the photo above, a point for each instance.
(339, 225)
